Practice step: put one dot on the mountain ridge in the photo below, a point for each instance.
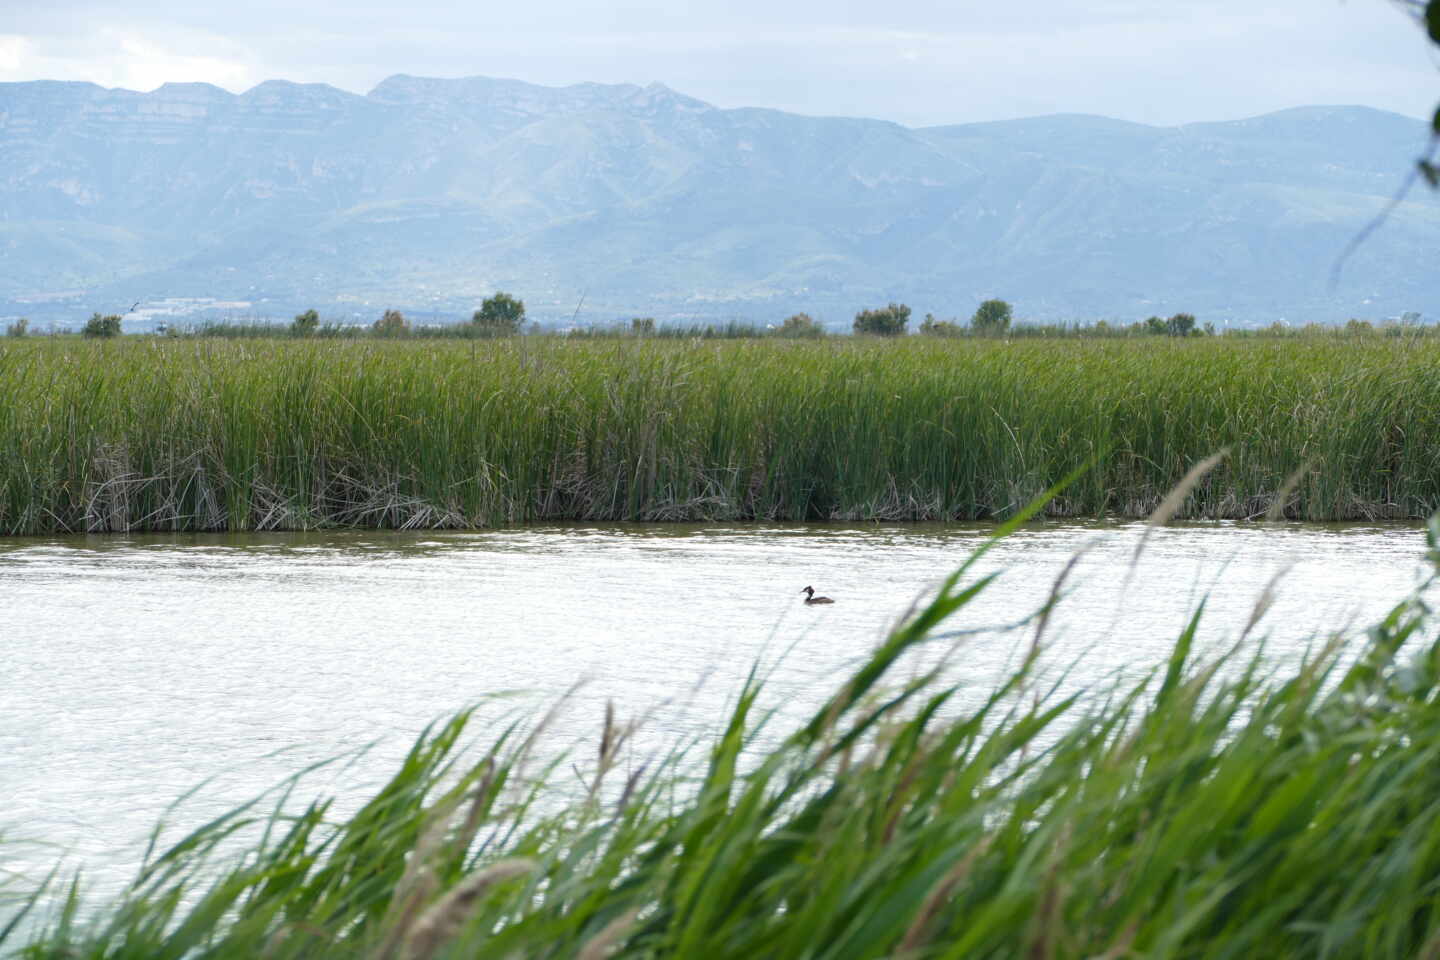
(428, 194)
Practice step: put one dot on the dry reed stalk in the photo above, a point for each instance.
(1176, 497)
(1054, 599)
(474, 816)
(276, 941)
(908, 776)
(439, 924)
(599, 946)
(407, 895)
(914, 937)
(608, 731)
(613, 737)
(521, 755)
(1121, 946)
(1052, 905)
(1161, 515)
(405, 906)
(1264, 601)
(1277, 509)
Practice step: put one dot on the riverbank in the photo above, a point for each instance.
(146, 434)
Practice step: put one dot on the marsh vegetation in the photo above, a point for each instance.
(146, 433)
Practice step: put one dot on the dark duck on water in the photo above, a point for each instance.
(811, 598)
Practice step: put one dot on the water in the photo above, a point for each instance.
(136, 668)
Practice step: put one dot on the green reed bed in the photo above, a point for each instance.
(1206, 812)
(250, 435)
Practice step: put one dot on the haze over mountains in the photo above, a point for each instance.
(428, 195)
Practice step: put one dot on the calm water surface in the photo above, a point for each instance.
(137, 667)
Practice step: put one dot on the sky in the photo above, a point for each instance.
(916, 62)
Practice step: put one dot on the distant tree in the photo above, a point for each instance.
(305, 323)
(885, 322)
(102, 326)
(1209, 329)
(501, 315)
(801, 325)
(18, 328)
(392, 324)
(642, 326)
(1356, 326)
(1156, 325)
(930, 327)
(992, 316)
(1181, 325)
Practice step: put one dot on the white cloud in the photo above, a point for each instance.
(12, 53)
(914, 61)
(113, 56)
(143, 62)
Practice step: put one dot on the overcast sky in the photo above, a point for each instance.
(913, 61)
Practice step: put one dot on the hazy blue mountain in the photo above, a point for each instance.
(429, 194)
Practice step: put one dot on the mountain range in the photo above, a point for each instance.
(600, 202)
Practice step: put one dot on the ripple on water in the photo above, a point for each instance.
(139, 666)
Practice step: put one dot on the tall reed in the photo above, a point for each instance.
(270, 434)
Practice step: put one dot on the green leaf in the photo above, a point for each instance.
(1432, 20)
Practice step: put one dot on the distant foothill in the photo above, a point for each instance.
(426, 195)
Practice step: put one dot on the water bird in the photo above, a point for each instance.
(811, 598)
